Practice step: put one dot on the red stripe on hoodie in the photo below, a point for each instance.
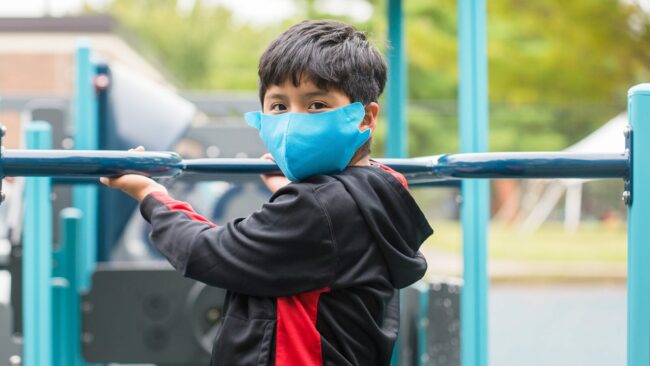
(184, 207)
(395, 174)
(297, 339)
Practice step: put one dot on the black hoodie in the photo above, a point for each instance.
(312, 275)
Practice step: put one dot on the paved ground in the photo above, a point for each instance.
(557, 324)
(550, 313)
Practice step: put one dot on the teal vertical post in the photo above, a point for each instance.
(67, 313)
(37, 258)
(86, 137)
(638, 255)
(473, 113)
(396, 139)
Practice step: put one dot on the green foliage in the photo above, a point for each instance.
(203, 49)
(558, 69)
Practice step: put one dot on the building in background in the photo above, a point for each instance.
(37, 62)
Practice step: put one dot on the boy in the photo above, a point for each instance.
(312, 277)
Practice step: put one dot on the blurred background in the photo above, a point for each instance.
(558, 77)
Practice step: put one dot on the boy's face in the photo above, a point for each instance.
(307, 97)
(304, 98)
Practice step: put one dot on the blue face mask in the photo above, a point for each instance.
(306, 144)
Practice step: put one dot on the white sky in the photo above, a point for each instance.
(253, 11)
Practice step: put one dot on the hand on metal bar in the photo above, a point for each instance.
(135, 185)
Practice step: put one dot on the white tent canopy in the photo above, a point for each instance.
(542, 197)
(607, 139)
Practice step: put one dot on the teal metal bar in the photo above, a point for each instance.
(86, 137)
(494, 165)
(61, 341)
(638, 255)
(396, 139)
(67, 322)
(473, 113)
(37, 258)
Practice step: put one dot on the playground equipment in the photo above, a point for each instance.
(56, 163)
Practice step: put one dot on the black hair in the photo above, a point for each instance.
(329, 53)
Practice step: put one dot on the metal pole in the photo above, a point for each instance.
(638, 256)
(85, 197)
(522, 165)
(396, 139)
(88, 163)
(37, 258)
(65, 287)
(473, 113)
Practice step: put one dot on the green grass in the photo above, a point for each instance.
(593, 242)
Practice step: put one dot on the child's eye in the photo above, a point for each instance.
(278, 107)
(317, 105)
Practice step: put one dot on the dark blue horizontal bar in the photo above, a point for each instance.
(524, 165)
(87, 163)
(532, 165)
(229, 166)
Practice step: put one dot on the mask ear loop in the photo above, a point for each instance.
(357, 116)
(363, 117)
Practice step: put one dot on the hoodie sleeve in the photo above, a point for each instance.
(283, 249)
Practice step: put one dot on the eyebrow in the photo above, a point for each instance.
(277, 96)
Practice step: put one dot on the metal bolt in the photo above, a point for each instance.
(213, 314)
(3, 130)
(459, 199)
(87, 307)
(627, 197)
(2, 197)
(101, 82)
(626, 131)
(87, 337)
(15, 360)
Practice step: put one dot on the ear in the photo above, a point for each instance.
(370, 119)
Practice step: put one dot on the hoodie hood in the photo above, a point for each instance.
(394, 218)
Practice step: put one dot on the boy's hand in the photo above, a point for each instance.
(136, 186)
(273, 181)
